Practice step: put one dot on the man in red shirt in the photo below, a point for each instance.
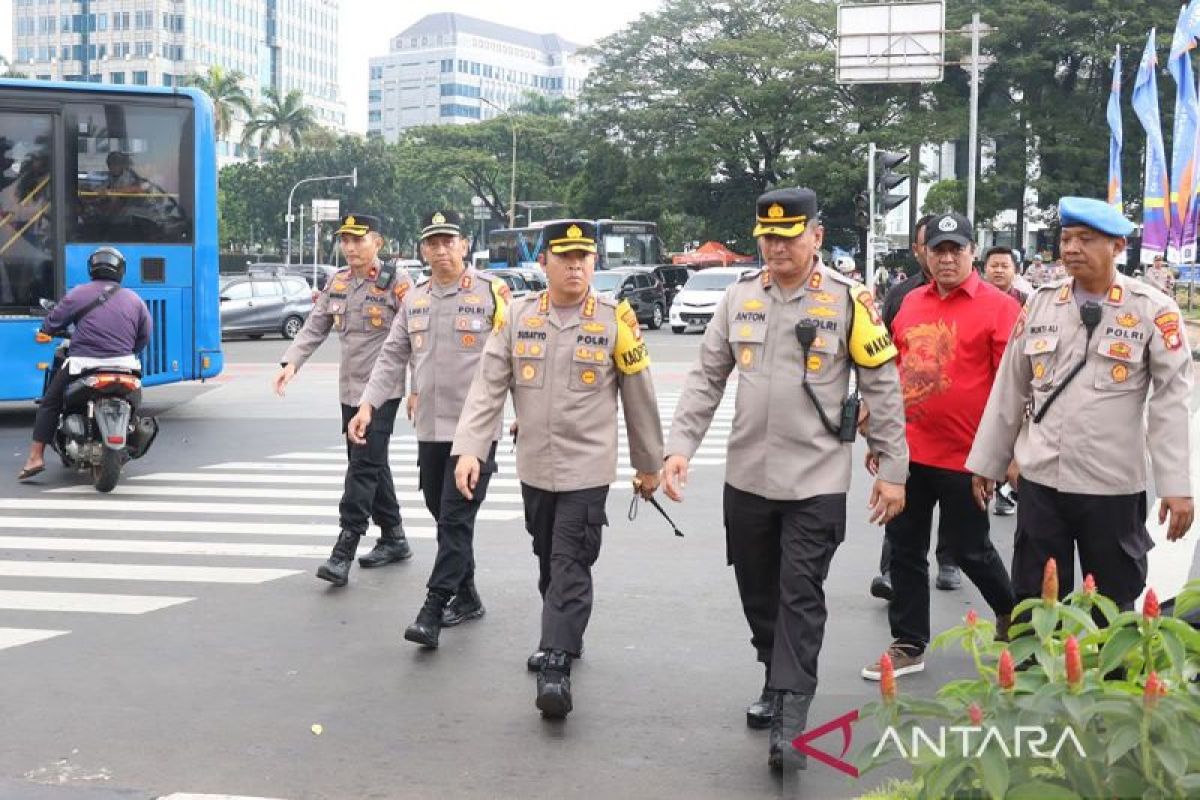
(951, 335)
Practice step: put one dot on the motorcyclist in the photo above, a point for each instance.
(111, 325)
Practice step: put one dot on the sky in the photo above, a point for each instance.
(367, 25)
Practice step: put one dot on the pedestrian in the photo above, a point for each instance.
(359, 303)
(948, 578)
(439, 332)
(565, 353)
(951, 336)
(1000, 270)
(1072, 400)
(795, 332)
(1160, 276)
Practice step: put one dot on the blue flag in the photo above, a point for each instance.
(1116, 137)
(1183, 156)
(1156, 191)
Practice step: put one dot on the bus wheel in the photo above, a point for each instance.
(291, 327)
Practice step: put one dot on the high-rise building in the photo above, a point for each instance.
(280, 44)
(455, 69)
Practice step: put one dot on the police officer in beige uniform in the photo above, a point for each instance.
(440, 331)
(359, 303)
(565, 353)
(1070, 400)
(795, 332)
(1160, 276)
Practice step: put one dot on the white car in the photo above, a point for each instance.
(696, 302)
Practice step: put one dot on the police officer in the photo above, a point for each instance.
(1160, 276)
(795, 332)
(440, 330)
(359, 303)
(1070, 399)
(565, 353)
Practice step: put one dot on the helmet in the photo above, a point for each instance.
(106, 264)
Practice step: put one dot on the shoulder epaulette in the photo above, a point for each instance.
(750, 276)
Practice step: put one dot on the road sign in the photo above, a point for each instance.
(891, 43)
(326, 210)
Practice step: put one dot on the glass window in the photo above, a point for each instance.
(132, 172)
(237, 291)
(28, 240)
(267, 288)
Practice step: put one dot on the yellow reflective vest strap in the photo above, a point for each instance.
(498, 298)
(630, 353)
(870, 343)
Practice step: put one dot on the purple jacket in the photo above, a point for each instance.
(119, 327)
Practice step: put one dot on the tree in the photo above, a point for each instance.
(280, 119)
(227, 95)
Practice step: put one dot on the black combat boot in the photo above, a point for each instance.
(428, 626)
(337, 569)
(760, 713)
(554, 685)
(465, 606)
(791, 717)
(538, 657)
(391, 547)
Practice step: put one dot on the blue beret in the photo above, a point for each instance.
(1094, 214)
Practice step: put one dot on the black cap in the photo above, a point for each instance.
(563, 235)
(359, 225)
(441, 223)
(785, 212)
(951, 227)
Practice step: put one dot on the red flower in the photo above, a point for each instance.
(972, 618)
(1155, 689)
(1150, 608)
(1089, 585)
(1074, 663)
(975, 713)
(887, 678)
(1007, 677)
(1050, 583)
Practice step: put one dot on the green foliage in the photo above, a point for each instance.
(227, 95)
(280, 120)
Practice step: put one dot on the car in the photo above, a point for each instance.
(640, 288)
(255, 305)
(323, 272)
(517, 285)
(672, 276)
(696, 302)
(534, 277)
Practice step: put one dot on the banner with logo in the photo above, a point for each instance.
(1116, 136)
(1156, 187)
(1182, 247)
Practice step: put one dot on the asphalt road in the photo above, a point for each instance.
(170, 637)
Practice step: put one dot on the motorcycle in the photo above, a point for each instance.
(100, 430)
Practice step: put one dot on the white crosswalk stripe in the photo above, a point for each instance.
(87, 602)
(15, 637)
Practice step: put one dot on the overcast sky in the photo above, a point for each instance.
(367, 25)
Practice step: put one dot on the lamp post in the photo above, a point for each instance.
(512, 181)
(353, 177)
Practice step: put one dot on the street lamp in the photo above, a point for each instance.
(353, 176)
(512, 181)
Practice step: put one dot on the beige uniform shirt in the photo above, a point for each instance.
(1093, 439)
(778, 447)
(440, 331)
(564, 378)
(362, 315)
(1160, 278)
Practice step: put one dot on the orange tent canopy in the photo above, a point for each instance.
(711, 253)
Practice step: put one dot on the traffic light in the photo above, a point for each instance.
(862, 211)
(886, 180)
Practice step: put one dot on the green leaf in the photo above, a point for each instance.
(1045, 620)
(941, 778)
(1080, 707)
(1171, 758)
(1122, 740)
(1174, 648)
(1083, 621)
(995, 772)
(1108, 608)
(1190, 783)
(1022, 648)
(1041, 790)
(1117, 647)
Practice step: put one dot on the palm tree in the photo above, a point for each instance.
(284, 119)
(227, 95)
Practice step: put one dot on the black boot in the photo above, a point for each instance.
(760, 713)
(791, 717)
(337, 569)
(391, 547)
(554, 685)
(428, 625)
(465, 606)
(538, 657)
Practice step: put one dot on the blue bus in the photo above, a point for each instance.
(134, 167)
(621, 243)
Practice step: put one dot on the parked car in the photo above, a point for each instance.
(255, 305)
(323, 272)
(517, 284)
(696, 302)
(643, 291)
(672, 277)
(534, 277)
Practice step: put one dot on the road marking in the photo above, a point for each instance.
(236, 491)
(331, 480)
(166, 548)
(167, 526)
(140, 572)
(320, 467)
(328, 511)
(15, 637)
(191, 796)
(87, 603)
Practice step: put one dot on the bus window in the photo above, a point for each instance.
(628, 249)
(27, 235)
(132, 170)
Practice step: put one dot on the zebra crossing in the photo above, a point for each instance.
(247, 523)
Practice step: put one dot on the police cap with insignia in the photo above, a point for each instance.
(359, 224)
(441, 223)
(1094, 214)
(785, 212)
(565, 235)
(949, 227)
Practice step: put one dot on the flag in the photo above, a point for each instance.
(1182, 247)
(1116, 131)
(1189, 21)
(1156, 189)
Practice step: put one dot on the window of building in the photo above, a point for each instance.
(376, 73)
(141, 77)
(374, 115)
(116, 77)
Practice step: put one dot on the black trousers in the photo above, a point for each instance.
(565, 527)
(942, 553)
(970, 545)
(454, 514)
(781, 551)
(369, 492)
(50, 407)
(1110, 532)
